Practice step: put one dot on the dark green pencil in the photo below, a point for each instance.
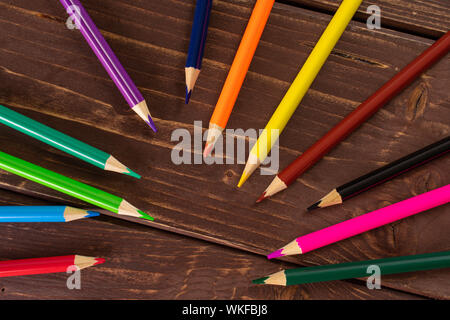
(358, 269)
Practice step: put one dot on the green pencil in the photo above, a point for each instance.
(69, 186)
(358, 269)
(62, 142)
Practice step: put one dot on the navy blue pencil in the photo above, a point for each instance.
(197, 44)
(43, 214)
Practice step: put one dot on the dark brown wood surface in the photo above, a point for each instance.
(428, 18)
(144, 263)
(49, 73)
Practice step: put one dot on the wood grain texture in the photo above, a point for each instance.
(145, 263)
(428, 18)
(49, 73)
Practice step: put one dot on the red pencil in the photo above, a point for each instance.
(46, 265)
(358, 116)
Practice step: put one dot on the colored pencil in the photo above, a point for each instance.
(358, 116)
(62, 142)
(197, 44)
(238, 71)
(109, 60)
(358, 269)
(69, 186)
(43, 214)
(300, 86)
(25, 267)
(384, 174)
(365, 222)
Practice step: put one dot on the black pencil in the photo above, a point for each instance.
(383, 174)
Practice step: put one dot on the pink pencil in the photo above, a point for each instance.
(365, 222)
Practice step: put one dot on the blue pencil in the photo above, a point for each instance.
(43, 214)
(197, 44)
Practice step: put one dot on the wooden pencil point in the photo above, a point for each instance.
(145, 216)
(191, 78)
(332, 198)
(250, 167)
(112, 164)
(275, 186)
(86, 262)
(128, 209)
(132, 174)
(290, 249)
(314, 206)
(278, 278)
(214, 133)
(152, 124)
(188, 96)
(99, 261)
(72, 214)
(142, 110)
(261, 197)
(208, 149)
(260, 280)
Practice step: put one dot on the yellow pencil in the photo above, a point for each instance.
(300, 86)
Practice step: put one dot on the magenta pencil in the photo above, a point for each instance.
(363, 223)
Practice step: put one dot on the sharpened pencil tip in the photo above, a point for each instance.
(99, 261)
(152, 124)
(132, 174)
(261, 198)
(276, 254)
(188, 96)
(314, 206)
(244, 178)
(260, 280)
(145, 216)
(208, 149)
(92, 214)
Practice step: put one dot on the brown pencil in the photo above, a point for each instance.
(358, 116)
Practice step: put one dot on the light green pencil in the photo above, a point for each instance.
(69, 186)
(62, 142)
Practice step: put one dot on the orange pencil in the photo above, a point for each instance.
(238, 70)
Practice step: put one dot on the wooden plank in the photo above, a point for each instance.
(421, 17)
(145, 263)
(62, 84)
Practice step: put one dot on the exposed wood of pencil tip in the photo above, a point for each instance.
(290, 249)
(72, 214)
(83, 262)
(191, 75)
(278, 278)
(128, 209)
(331, 199)
(214, 133)
(250, 167)
(275, 186)
(142, 110)
(114, 165)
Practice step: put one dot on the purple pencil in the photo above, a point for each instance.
(108, 59)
